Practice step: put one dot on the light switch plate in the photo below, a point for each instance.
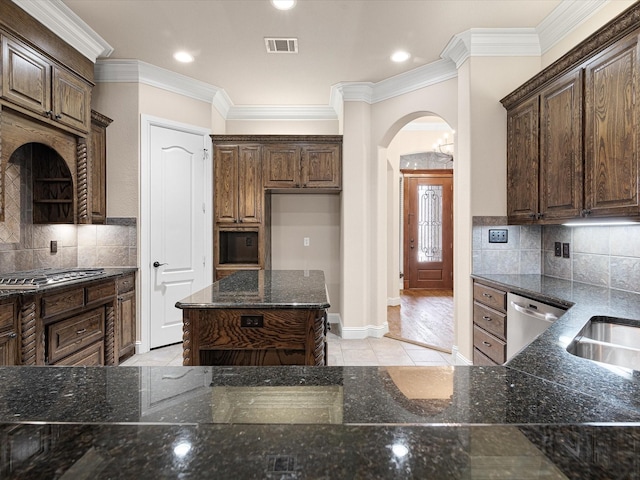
(498, 235)
(565, 250)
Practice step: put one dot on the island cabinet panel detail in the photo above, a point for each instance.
(573, 132)
(9, 351)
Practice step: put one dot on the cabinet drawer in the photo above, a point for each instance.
(92, 356)
(481, 359)
(62, 302)
(71, 335)
(277, 329)
(7, 315)
(126, 284)
(491, 346)
(102, 291)
(490, 320)
(490, 296)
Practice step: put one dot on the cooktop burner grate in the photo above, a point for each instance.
(34, 279)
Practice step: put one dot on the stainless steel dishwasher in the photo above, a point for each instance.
(526, 319)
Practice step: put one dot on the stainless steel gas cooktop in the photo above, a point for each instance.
(35, 279)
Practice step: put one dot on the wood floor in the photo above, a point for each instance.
(424, 317)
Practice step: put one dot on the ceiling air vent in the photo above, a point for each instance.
(281, 45)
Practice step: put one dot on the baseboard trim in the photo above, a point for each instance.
(458, 358)
(393, 301)
(360, 333)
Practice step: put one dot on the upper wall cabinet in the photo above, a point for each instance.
(572, 132)
(612, 131)
(32, 82)
(98, 160)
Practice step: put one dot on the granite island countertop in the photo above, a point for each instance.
(307, 422)
(300, 289)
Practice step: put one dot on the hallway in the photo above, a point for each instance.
(424, 317)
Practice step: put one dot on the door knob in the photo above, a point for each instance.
(157, 264)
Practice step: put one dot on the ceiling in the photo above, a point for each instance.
(339, 40)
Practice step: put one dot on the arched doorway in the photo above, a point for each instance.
(420, 216)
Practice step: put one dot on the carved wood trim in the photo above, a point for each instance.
(100, 119)
(186, 341)
(624, 24)
(276, 138)
(83, 186)
(110, 336)
(28, 333)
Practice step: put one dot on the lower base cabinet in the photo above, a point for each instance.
(489, 324)
(8, 334)
(126, 318)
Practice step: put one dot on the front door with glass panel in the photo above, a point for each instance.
(428, 230)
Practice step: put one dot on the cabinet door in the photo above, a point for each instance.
(250, 190)
(98, 173)
(561, 175)
(26, 77)
(8, 348)
(71, 100)
(522, 162)
(321, 166)
(612, 130)
(225, 173)
(281, 166)
(126, 325)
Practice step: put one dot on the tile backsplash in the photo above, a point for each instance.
(77, 246)
(600, 255)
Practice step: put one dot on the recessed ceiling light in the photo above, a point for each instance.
(184, 57)
(400, 56)
(283, 4)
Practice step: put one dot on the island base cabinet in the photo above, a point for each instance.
(254, 337)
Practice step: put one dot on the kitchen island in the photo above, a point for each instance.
(257, 317)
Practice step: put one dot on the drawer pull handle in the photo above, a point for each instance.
(486, 343)
(487, 318)
(82, 330)
(488, 295)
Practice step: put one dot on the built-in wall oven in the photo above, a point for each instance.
(526, 319)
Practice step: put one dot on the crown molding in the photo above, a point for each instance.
(568, 15)
(135, 71)
(282, 112)
(61, 20)
(492, 42)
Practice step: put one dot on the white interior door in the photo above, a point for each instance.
(177, 223)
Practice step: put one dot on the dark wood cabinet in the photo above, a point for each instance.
(238, 184)
(573, 140)
(8, 334)
(489, 324)
(544, 154)
(126, 318)
(33, 82)
(612, 131)
(98, 162)
(303, 166)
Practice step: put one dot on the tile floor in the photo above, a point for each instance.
(370, 351)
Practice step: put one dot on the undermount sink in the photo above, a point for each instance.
(614, 341)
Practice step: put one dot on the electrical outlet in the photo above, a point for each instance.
(557, 248)
(306, 241)
(53, 246)
(498, 235)
(565, 250)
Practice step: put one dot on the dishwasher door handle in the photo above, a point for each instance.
(547, 317)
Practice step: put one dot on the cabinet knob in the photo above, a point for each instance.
(488, 295)
(13, 335)
(585, 213)
(58, 116)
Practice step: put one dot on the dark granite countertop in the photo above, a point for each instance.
(260, 289)
(306, 422)
(547, 356)
(108, 272)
